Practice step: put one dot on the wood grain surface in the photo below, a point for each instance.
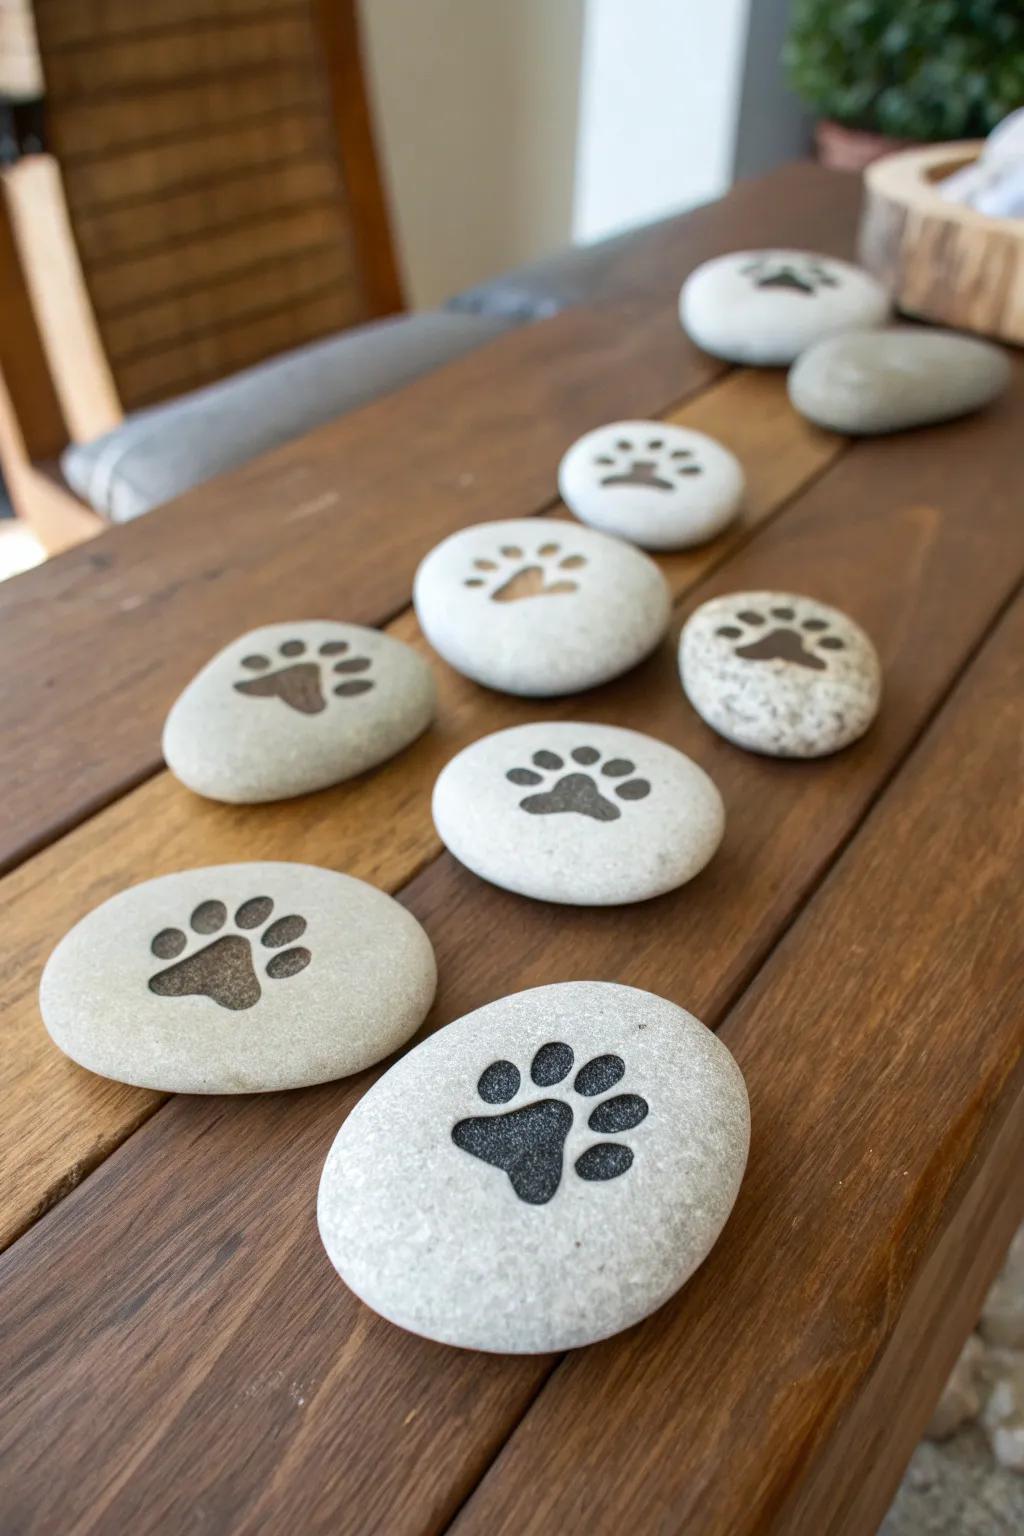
(336, 522)
(883, 1048)
(377, 827)
(200, 1228)
(178, 1352)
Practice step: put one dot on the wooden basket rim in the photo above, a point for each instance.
(903, 178)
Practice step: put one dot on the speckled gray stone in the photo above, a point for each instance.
(449, 1204)
(765, 307)
(883, 381)
(538, 607)
(239, 978)
(779, 673)
(656, 484)
(585, 814)
(295, 707)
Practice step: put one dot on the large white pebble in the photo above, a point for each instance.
(240, 978)
(884, 381)
(540, 1174)
(765, 307)
(537, 607)
(295, 707)
(779, 673)
(656, 484)
(591, 815)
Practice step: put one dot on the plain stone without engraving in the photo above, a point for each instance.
(764, 308)
(240, 978)
(884, 381)
(295, 707)
(653, 483)
(779, 673)
(540, 1174)
(591, 815)
(537, 607)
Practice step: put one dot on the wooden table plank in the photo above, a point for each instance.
(883, 1047)
(57, 1122)
(337, 521)
(270, 1398)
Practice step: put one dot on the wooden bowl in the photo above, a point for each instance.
(941, 261)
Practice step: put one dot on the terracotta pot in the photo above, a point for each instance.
(851, 149)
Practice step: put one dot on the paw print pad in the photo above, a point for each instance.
(528, 1142)
(647, 462)
(579, 791)
(515, 573)
(300, 680)
(779, 634)
(804, 275)
(224, 969)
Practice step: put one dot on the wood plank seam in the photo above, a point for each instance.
(681, 599)
(707, 559)
(883, 1326)
(744, 981)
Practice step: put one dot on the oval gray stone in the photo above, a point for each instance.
(540, 1174)
(765, 307)
(295, 707)
(592, 815)
(780, 673)
(240, 978)
(884, 381)
(537, 607)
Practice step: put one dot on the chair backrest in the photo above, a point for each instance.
(220, 177)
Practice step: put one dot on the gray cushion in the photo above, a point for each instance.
(157, 454)
(579, 275)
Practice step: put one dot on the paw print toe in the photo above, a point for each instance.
(619, 1114)
(604, 1160)
(499, 1082)
(551, 1064)
(599, 1074)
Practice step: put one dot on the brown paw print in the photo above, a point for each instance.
(578, 791)
(299, 683)
(519, 574)
(223, 970)
(788, 638)
(647, 463)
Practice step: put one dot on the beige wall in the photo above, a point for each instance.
(476, 104)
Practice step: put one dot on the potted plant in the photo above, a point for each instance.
(887, 73)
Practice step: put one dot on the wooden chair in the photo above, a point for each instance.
(212, 198)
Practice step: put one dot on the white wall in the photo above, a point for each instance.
(476, 109)
(658, 108)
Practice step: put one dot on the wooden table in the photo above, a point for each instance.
(178, 1353)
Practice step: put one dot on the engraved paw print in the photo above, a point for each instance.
(223, 969)
(648, 462)
(528, 1143)
(788, 638)
(579, 791)
(299, 682)
(800, 275)
(520, 574)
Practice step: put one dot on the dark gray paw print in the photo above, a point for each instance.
(528, 1143)
(580, 792)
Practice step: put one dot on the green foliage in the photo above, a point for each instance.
(916, 69)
